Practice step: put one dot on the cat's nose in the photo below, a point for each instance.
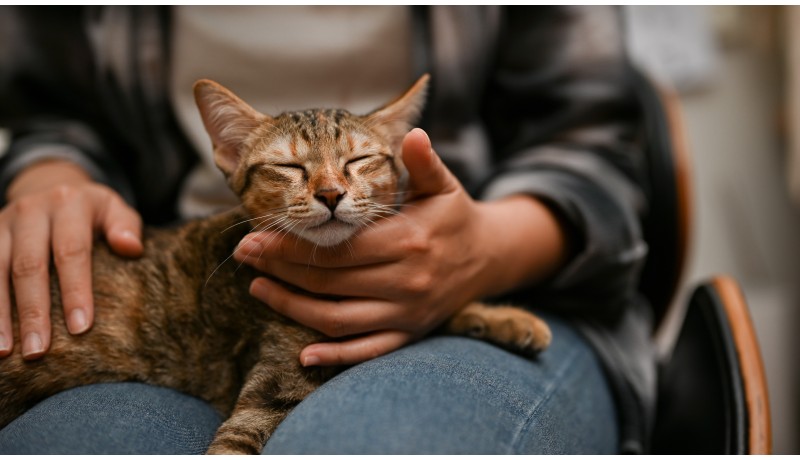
(330, 197)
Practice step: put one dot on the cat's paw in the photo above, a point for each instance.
(511, 328)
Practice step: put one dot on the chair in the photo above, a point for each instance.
(712, 393)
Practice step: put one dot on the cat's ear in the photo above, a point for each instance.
(400, 115)
(228, 121)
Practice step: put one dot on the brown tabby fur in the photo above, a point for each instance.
(165, 319)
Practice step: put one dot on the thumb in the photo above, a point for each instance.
(427, 175)
(123, 228)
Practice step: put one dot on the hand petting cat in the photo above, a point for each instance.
(54, 207)
(402, 277)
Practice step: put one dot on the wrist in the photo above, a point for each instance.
(525, 240)
(46, 174)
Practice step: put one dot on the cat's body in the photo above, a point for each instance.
(158, 322)
(182, 316)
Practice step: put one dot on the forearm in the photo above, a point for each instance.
(576, 150)
(526, 242)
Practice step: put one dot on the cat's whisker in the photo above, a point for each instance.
(263, 216)
(382, 208)
(369, 223)
(385, 194)
(217, 269)
(313, 256)
(283, 228)
(388, 212)
(350, 248)
(268, 224)
(402, 206)
(277, 222)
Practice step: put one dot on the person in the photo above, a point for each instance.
(530, 190)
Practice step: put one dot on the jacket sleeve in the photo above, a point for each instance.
(47, 97)
(88, 84)
(563, 122)
(70, 140)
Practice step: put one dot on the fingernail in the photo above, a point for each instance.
(311, 360)
(124, 234)
(77, 321)
(246, 247)
(258, 288)
(427, 138)
(32, 345)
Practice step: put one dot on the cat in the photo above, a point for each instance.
(182, 312)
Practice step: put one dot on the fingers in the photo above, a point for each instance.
(72, 255)
(427, 173)
(343, 281)
(6, 332)
(61, 219)
(122, 226)
(29, 273)
(332, 318)
(386, 241)
(291, 248)
(354, 351)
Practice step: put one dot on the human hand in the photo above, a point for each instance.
(55, 206)
(404, 276)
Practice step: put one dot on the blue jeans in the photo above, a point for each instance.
(442, 395)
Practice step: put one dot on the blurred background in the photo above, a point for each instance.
(737, 73)
(736, 70)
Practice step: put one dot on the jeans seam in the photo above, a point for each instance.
(547, 393)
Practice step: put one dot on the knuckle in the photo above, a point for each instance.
(25, 205)
(375, 351)
(72, 251)
(28, 266)
(62, 194)
(72, 295)
(417, 242)
(340, 357)
(335, 326)
(420, 283)
(31, 315)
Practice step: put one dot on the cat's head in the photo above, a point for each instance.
(320, 174)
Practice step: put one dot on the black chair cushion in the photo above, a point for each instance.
(701, 407)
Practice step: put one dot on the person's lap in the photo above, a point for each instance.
(441, 395)
(115, 418)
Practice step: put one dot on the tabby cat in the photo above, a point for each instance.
(164, 319)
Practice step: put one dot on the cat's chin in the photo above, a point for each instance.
(330, 233)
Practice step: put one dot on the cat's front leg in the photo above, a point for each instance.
(272, 389)
(247, 429)
(512, 328)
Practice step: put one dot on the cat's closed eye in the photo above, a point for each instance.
(359, 159)
(290, 165)
(365, 164)
(293, 169)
